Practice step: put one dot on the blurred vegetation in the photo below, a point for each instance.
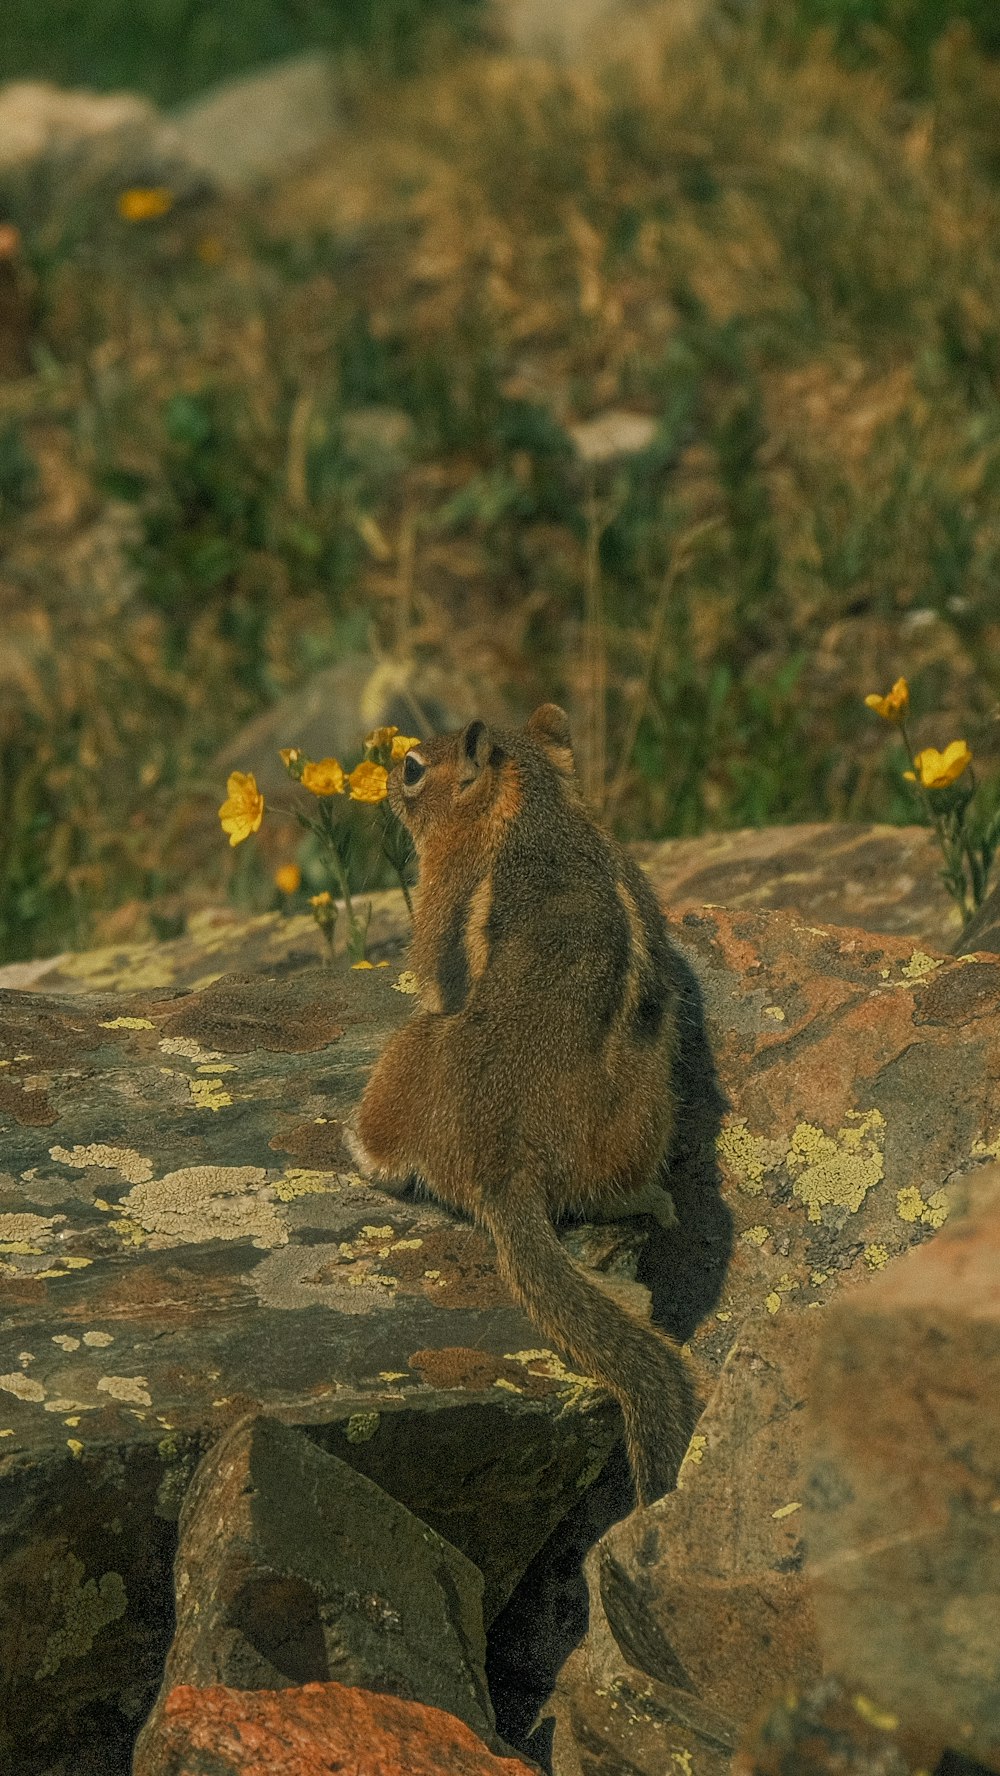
(172, 49)
(260, 438)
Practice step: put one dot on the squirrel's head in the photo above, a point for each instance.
(476, 779)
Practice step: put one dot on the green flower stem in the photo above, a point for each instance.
(951, 843)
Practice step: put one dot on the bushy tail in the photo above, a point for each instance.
(642, 1367)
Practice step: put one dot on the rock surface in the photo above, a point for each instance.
(848, 1128)
(883, 878)
(825, 1732)
(183, 1243)
(259, 125)
(292, 1568)
(903, 1518)
(315, 1730)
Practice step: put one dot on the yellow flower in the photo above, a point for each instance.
(402, 745)
(368, 782)
(145, 203)
(362, 964)
(288, 878)
(321, 900)
(323, 777)
(291, 758)
(379, 737)
(243, 810)
(894, 706)
(938, 769)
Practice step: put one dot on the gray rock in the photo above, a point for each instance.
(293, 1568)
(38, 119)
(258, 126)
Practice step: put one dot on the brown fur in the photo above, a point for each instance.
(537, 1076)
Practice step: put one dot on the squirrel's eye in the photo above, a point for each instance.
(413, 770)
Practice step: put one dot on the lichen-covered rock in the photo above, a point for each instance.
(699, 1606)
(883, 878)
(292, 1568)
(863, 1077)
(314, 1730)
(182, 1241)
(903, 1522)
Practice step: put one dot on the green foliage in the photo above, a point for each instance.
(172, 49)
(352, 425)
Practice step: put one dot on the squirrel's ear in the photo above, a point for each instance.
(550, 727)
(475, 743)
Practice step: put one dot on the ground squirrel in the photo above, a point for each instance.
(536, 1079)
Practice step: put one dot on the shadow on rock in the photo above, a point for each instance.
(684, 1268)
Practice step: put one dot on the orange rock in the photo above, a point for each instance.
(903, 1520)
(322, 1729)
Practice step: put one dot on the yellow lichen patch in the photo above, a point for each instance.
(837, 1170)
(127, 1023)
(755, 1236)
(378, 1233)
(142, 967)
(393, 1375)
(876, 1257)
(920, 966)
(773, 1302)
(22, 1387)
(725, 1316)
(406, 982)
(786, 1510)
(361, 1426)
(133, 1389)
(986, 1149)
(682, 1760)
(209, 1094)
(695, 1453)
(299, 1182)
(75, 1447)
(201, 1203)
(63, 1267)
(875, 1716)
(910, 1206)
(134, 1167)
(405, 1245)
(817, 1277)
(546, 1362)
(84, 1607)
(775, 1012)
(129, 1232)
(98, 1340)
(65, 1341)
(749, 1157)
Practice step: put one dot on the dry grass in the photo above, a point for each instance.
(791, 267)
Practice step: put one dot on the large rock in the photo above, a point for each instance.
(903, 1519)
(293, 1568)
(883, 878)
(874, 1091)
(258, 126)
(313, 1731)
(184, 1242)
